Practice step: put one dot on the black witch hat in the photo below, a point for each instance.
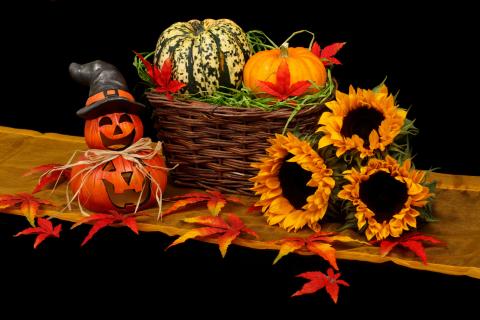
(108, 89)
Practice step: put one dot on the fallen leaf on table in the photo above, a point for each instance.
(318, 243)
(102, 220)
(282, 88)
(27, 203)
(215, 201)
(327, 54)
(413, 242)
(318, 280)
(54, 177)
(254, 209)
(225, 230)
(44, 230)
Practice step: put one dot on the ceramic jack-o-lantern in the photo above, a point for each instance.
(114, 131)
(121, 171)
(119, 185)
(111, 112)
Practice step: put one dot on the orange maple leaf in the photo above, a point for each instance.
(27, 203)
(319, 280)
(225, 230)
(282, 88)
(215, 201)
(44, 230)
(412, 242)
(54, 177)
(103, 220)
(318, 243)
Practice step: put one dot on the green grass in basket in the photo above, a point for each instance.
(243, 97)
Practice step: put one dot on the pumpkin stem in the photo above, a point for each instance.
(284, 50)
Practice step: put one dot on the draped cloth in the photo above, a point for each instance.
(456, 206)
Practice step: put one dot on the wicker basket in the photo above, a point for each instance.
(214, 145)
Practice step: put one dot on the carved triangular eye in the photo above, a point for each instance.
(105, 121)
(127, 176)
(125, 118)
(109, 166)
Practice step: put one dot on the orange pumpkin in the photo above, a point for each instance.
(302, 63)
(114, 131)
(118, 185)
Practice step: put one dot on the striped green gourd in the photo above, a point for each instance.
(205, 54)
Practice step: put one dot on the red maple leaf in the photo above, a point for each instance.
(327, 54)
(319, 280)
(54, 177)
(27, 203)
(103, 220)
(215, 201)
(413, 242)
(44, 230)
(225, 231)
(162, 79)
(282, 88)
(318, 243)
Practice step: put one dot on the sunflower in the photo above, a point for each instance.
(294, 184)
(365, 120)
(386, 195)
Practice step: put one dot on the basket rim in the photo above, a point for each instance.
(161, 101)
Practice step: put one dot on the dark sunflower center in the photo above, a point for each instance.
(384, 195)
(361, 122)
(293, 181)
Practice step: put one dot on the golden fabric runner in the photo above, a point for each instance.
(457, 207)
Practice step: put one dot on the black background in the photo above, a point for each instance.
(425, 52)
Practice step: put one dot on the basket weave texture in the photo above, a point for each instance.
(215, 145)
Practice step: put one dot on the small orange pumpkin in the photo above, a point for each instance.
(302, 63)
(118, 185)
(114, 131)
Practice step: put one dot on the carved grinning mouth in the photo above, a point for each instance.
(118, 144)
(128, 199)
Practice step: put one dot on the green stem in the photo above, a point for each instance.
(254, 34)
(299, 32)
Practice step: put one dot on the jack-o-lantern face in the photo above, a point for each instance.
(114, 131)
(118, 185)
